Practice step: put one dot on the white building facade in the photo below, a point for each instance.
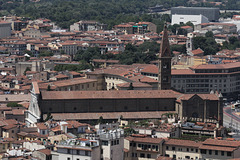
(195, 19)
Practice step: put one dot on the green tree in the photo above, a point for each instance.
(14, 104)
(27, 69)
(207, 44)
(209, 34)
(100, 120)
(49, 116)
(232, 40)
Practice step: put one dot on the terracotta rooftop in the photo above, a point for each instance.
(217, 66)
(144, 79)
(218, 148)
(223, 143)
(135, 85)
(150, 69)
(197, 52)
(145, 140)
(109, 115)
(45, 151)
(182, 71)
(185, 143)
(8, 122)
(202, 96)
(42, 126)
(54, 95)
(14, 98)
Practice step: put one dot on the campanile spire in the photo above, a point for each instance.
(164, 62)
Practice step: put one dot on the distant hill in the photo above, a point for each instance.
(111, 12)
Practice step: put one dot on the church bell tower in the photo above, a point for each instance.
(164, 63)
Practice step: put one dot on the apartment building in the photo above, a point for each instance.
(112, 144)
(138, 147)
(224, 78)
(76, 149)
(227, 28)
(182, 149)
(87, 26)
(213, 149)
(134, 28)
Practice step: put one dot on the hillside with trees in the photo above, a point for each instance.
(65, 12)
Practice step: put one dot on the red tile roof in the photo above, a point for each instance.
(223, 143)
(54, 95)
(109, 115)
(150, 69)
(144, 79)
(41, 126)
(218, 148)
(135, 85)
(203, 96)
(217, 66)
(145, 140)
(182, 71)
(197, 52)
(45, 151)
(185, 143)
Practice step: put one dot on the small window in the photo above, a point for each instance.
(142, 155)
(229, 154)
(173, 148)
(222, 153)
(149, 156)
(210, 152)
(216, 152)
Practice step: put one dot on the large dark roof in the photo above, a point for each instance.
(57, 95)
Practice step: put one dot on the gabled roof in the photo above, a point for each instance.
(145, 140)
(197, 52)
(185, 143)
(56, 95)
